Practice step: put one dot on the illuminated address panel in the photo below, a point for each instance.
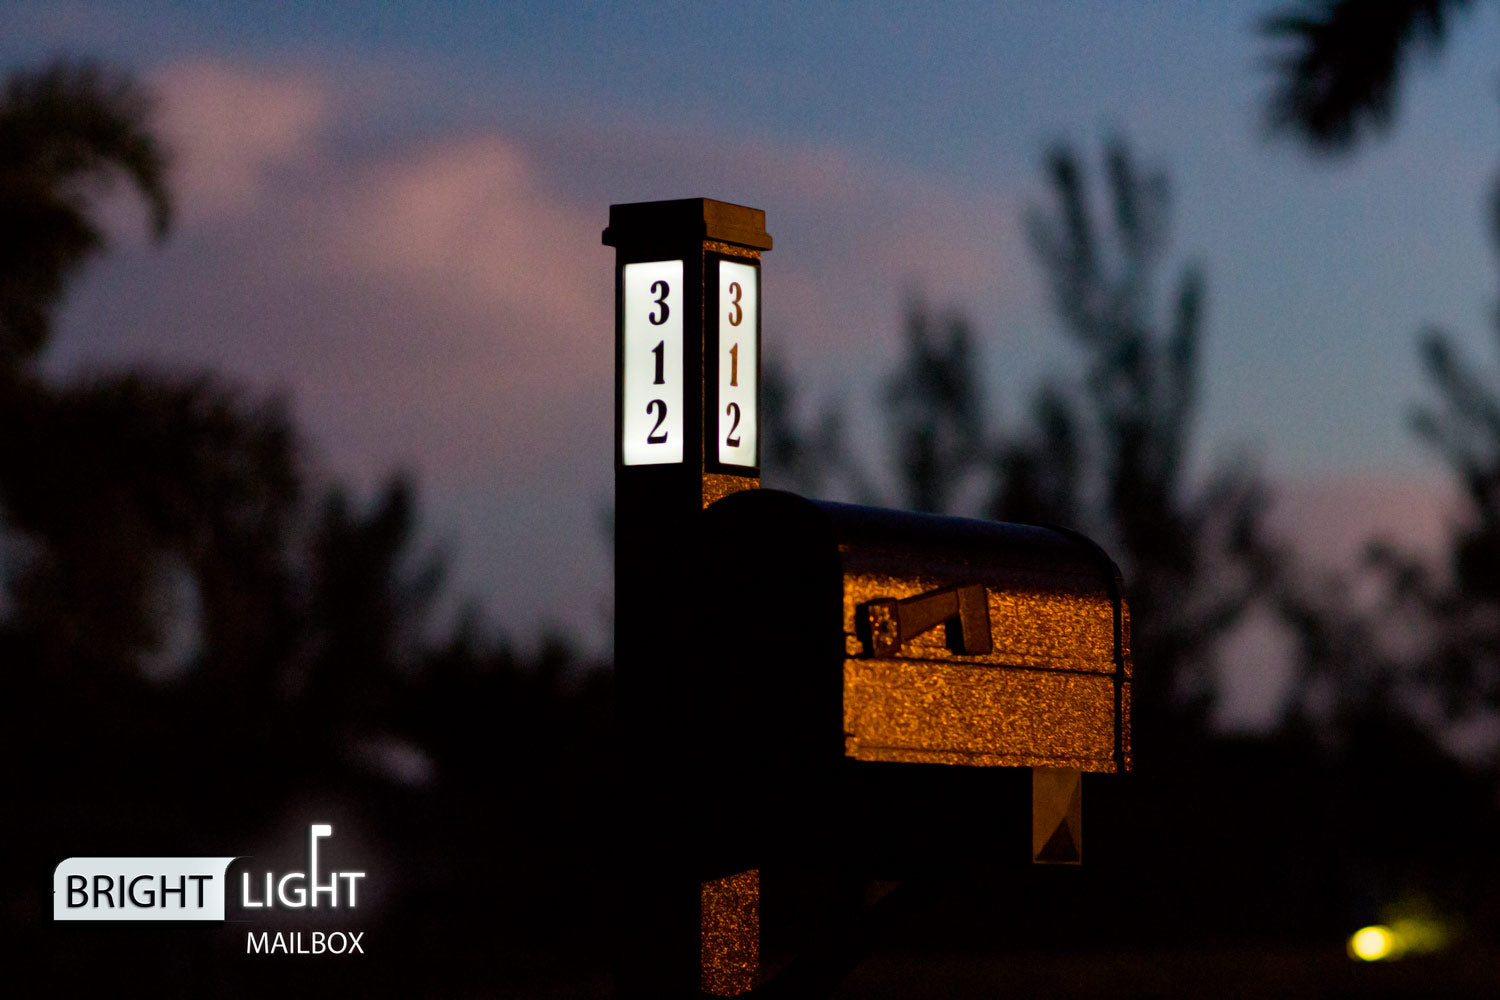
(652, 425)
(739, 366)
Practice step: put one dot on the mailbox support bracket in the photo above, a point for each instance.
(1056, 816)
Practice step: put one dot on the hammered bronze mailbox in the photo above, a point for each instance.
(850, 637)
(947, 641)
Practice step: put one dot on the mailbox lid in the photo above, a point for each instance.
(1048, 684)
(1053, 597)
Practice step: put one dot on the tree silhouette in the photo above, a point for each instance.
(1340, 77)
(936, 411)
(1105, 454)
(122, 477)
(147, 521)
(1455, 610)
(65, 132)
(1434, 637)
(1108, 457)
(811, 459)
(196, 635)
(365, 605)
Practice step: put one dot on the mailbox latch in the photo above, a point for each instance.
(892, 622)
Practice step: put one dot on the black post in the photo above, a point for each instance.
(687, 339)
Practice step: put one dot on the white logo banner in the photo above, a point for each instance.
(140, 889)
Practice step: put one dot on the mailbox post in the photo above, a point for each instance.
(687, 367)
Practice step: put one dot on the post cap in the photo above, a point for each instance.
(686, 219)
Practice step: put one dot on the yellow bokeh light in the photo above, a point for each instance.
(1371, 944)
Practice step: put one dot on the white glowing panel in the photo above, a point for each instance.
(652, 423)
(739, 327)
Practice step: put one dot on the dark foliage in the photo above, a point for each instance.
(1340, 75)
(805, 453)
(936, 412)
(65, 132)
(1454, 610)
(203, 649)
(1109, 456)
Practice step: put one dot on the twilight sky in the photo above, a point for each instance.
(391, 214)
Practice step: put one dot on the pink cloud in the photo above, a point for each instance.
(483, 326)
(1331, 520)
(229, 127)
(476, 293)
(466, 220)
(854, 236)
(444, 302)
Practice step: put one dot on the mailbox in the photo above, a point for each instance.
(846, 646)
(865, 691)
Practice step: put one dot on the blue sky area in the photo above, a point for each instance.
(391, 214)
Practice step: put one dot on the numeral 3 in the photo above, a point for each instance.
(661, 290)
(738, 316)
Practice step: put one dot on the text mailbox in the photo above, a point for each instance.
(849, 639)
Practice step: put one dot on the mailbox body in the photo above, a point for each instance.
(800, 697)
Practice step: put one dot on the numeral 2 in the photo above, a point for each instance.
(733, 439)
(659, 407)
